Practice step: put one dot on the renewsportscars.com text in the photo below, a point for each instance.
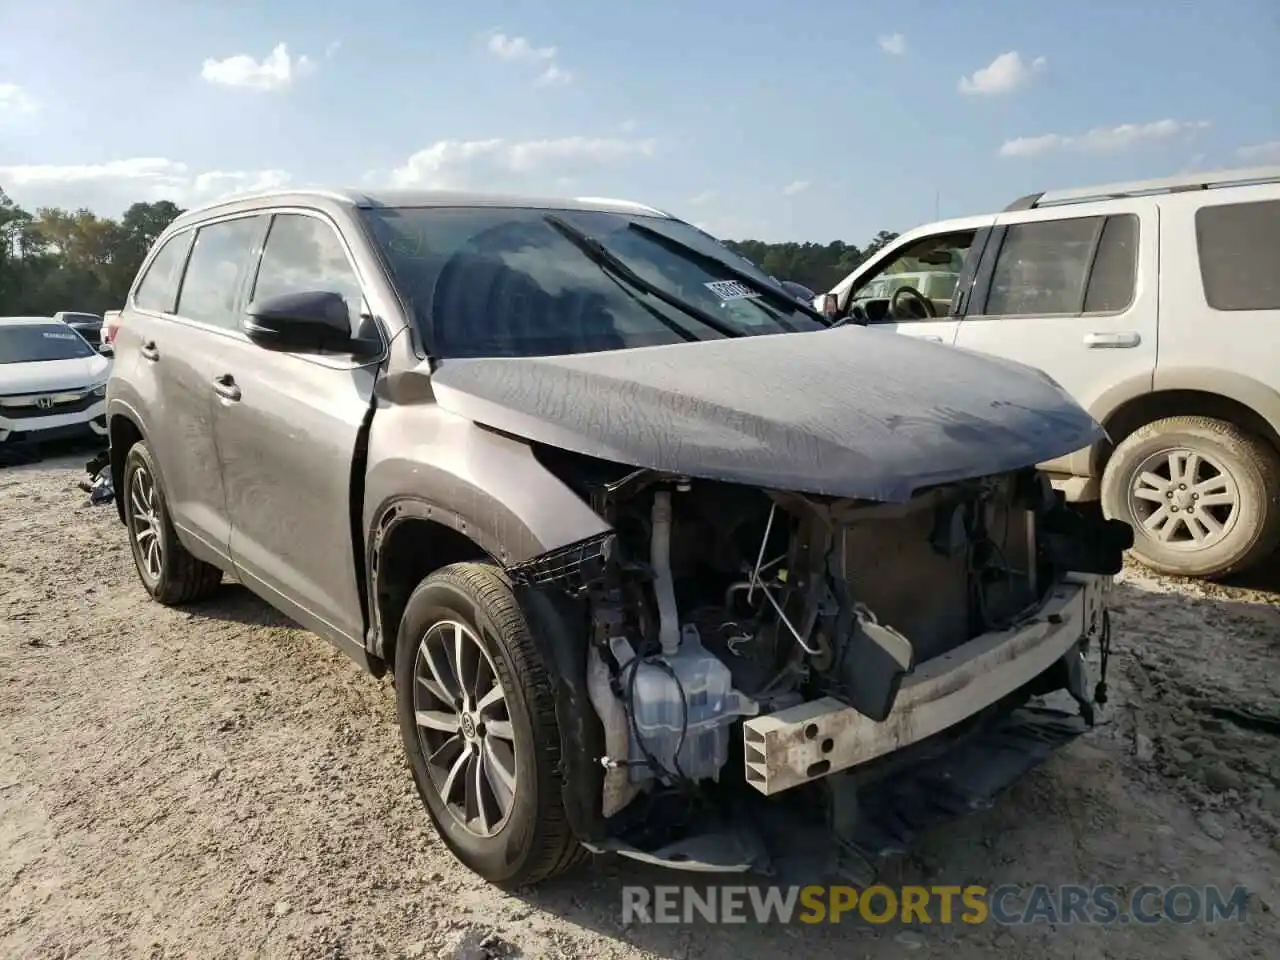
(1006, 905)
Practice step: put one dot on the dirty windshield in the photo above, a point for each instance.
(34, 342)
(499, 281)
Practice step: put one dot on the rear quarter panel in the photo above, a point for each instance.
(1229, 352)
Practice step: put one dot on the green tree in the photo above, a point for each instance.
(60, 260)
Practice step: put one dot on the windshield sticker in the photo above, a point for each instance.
(728, 290)
(59, 336)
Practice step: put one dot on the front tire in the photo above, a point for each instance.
(477, 717)
(169, 573)
(1202, 496)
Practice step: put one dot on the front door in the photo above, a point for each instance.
(287, 429)
(915, 291)
(1072, 292)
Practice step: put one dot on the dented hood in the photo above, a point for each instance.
(845, 412)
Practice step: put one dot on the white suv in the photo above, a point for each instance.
(1157, 304)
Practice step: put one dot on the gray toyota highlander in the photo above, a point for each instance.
(657, 557)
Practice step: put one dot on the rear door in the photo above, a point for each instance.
(1074, 292)
(169, 342)
(288, 427)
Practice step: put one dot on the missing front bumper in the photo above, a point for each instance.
(815, 739)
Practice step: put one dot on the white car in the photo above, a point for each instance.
(53, 383)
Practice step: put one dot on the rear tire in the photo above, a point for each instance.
(489, 776)
(1202, 496)
(169, 573)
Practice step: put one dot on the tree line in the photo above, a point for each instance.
(56, 259)
(818, 266)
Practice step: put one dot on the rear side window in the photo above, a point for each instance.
(215, 272)
(303, 253)
(1113, 280)
(1239, 250)
(1079, 265)
(158, 290)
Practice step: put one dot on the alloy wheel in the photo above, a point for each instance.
(464, 727)
(145, 526)
(1184, 499)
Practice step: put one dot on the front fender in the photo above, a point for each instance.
(485, 485)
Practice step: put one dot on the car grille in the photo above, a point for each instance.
(47, 404)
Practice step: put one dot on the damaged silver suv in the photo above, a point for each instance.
(661, 564)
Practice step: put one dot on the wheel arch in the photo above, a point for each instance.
(1180, 402)
(410, 539)
(123, 431)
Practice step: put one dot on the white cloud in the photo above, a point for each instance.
(276, 71)
(702, 199)
(332, 48)
(1127, 136)
(554, 76)
(109, 188)
(520, 50)
(1004, 74)
(1268, 152)
(15, 102)
(499, 164)
(794, 187)
(894, 44)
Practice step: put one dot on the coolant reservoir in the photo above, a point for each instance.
(699, 683)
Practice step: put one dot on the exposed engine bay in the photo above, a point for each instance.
(727, 621)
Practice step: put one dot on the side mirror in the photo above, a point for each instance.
(308, 320)
(830, 306)
(106, 349)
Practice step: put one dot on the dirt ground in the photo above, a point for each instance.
(216, 783)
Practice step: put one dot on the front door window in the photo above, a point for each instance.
(916, 284)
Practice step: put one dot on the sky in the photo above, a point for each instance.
(804, 120)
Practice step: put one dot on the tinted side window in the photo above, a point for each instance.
(1042, 267)
(159, 287)
(304, 253)
(215, 272)
(1114, 279)
(1239, 249)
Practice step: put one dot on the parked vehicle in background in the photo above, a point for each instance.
(1157, 305)
(88, 325)
(110, 324)
(53, 383)
(936, 285)
(607, 502)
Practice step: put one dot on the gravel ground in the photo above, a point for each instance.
(217, 783)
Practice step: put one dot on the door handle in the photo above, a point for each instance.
(930, 337)
(1113, 341)
(225, 387)
(149, 351)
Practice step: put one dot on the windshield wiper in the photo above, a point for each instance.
(776, 294)
(607, 260)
